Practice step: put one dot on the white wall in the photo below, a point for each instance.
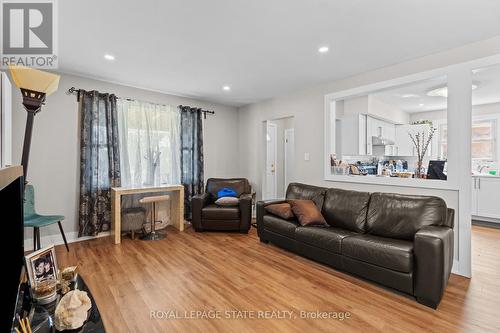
(308, 106)
(54, 159)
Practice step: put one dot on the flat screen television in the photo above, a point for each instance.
(11, 216)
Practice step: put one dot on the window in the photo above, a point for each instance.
(484, 133)
(149, 143)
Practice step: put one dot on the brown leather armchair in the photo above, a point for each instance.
(208, 216)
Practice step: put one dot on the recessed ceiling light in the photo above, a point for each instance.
(226, 88)
(421, 104)
(410, 96)
(109, 57)
(323, 49)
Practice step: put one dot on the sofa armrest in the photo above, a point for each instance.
(197, 203)
(245, 212)
(433, 250)
(261, 212)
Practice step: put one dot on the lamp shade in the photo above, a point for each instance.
(34, 79)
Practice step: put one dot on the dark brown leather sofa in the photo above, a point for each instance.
(404, 242)
(206, 215)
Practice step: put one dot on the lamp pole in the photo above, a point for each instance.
(32, 101)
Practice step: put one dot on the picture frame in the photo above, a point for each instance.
(41, 265)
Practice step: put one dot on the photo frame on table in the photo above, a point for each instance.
(41, 265)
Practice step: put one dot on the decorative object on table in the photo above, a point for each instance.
(421, 143)
(154, 200)
(35, 86)
(41, 266)
(64, 286)
(36, 221)
(72, 310)
(69, 273)
(99, 160)
(24, 326)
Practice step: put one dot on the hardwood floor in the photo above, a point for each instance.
(222, 272)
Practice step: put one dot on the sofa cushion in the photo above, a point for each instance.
(214, 212)
(306, 192)
(346, 209)
(401, 216)
(280, 226)
(307, 213)
(395, 254)
(327, 238)
(283, 210)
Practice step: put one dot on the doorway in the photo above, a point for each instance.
(280, 157)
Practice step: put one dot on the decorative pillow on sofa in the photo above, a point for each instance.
(307, 212)
(283, 210)
(227, 201)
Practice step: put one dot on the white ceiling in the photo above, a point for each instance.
(260, 48)
(413, 98)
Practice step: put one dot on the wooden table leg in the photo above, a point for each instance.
(116, 217)
(177, 209)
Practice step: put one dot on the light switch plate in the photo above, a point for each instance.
(306, 156)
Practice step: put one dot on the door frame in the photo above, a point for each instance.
(285, 156)
(264, 193)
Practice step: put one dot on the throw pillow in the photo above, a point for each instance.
(283, 210)
(227, 201)
(307, 212)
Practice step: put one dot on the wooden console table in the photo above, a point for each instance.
(176, 208)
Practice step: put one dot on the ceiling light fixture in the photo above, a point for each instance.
(226, 88)
(109, 57)
(409, 96)
(443, 90)
(323, 49)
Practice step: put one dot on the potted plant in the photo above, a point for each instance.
(421, 143)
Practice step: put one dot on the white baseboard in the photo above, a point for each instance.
(56, 239)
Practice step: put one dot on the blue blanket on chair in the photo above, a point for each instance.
(226, 192)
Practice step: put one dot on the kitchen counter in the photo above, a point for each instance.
(485, 175)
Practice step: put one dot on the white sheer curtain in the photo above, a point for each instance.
(149, 143)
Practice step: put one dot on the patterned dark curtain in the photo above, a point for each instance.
(191, 155)
(99, 160)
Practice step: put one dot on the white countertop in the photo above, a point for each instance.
(485, 175)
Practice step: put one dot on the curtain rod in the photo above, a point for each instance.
(73, 90)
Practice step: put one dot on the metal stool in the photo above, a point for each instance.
(153, 235)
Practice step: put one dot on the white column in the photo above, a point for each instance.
(459, 159)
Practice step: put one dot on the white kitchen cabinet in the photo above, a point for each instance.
(485, 194)
(379, 128)
(474, 196)
(353, 135)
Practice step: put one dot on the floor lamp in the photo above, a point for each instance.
(35, 86)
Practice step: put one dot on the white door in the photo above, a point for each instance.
(271, 157)
(289, 156)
